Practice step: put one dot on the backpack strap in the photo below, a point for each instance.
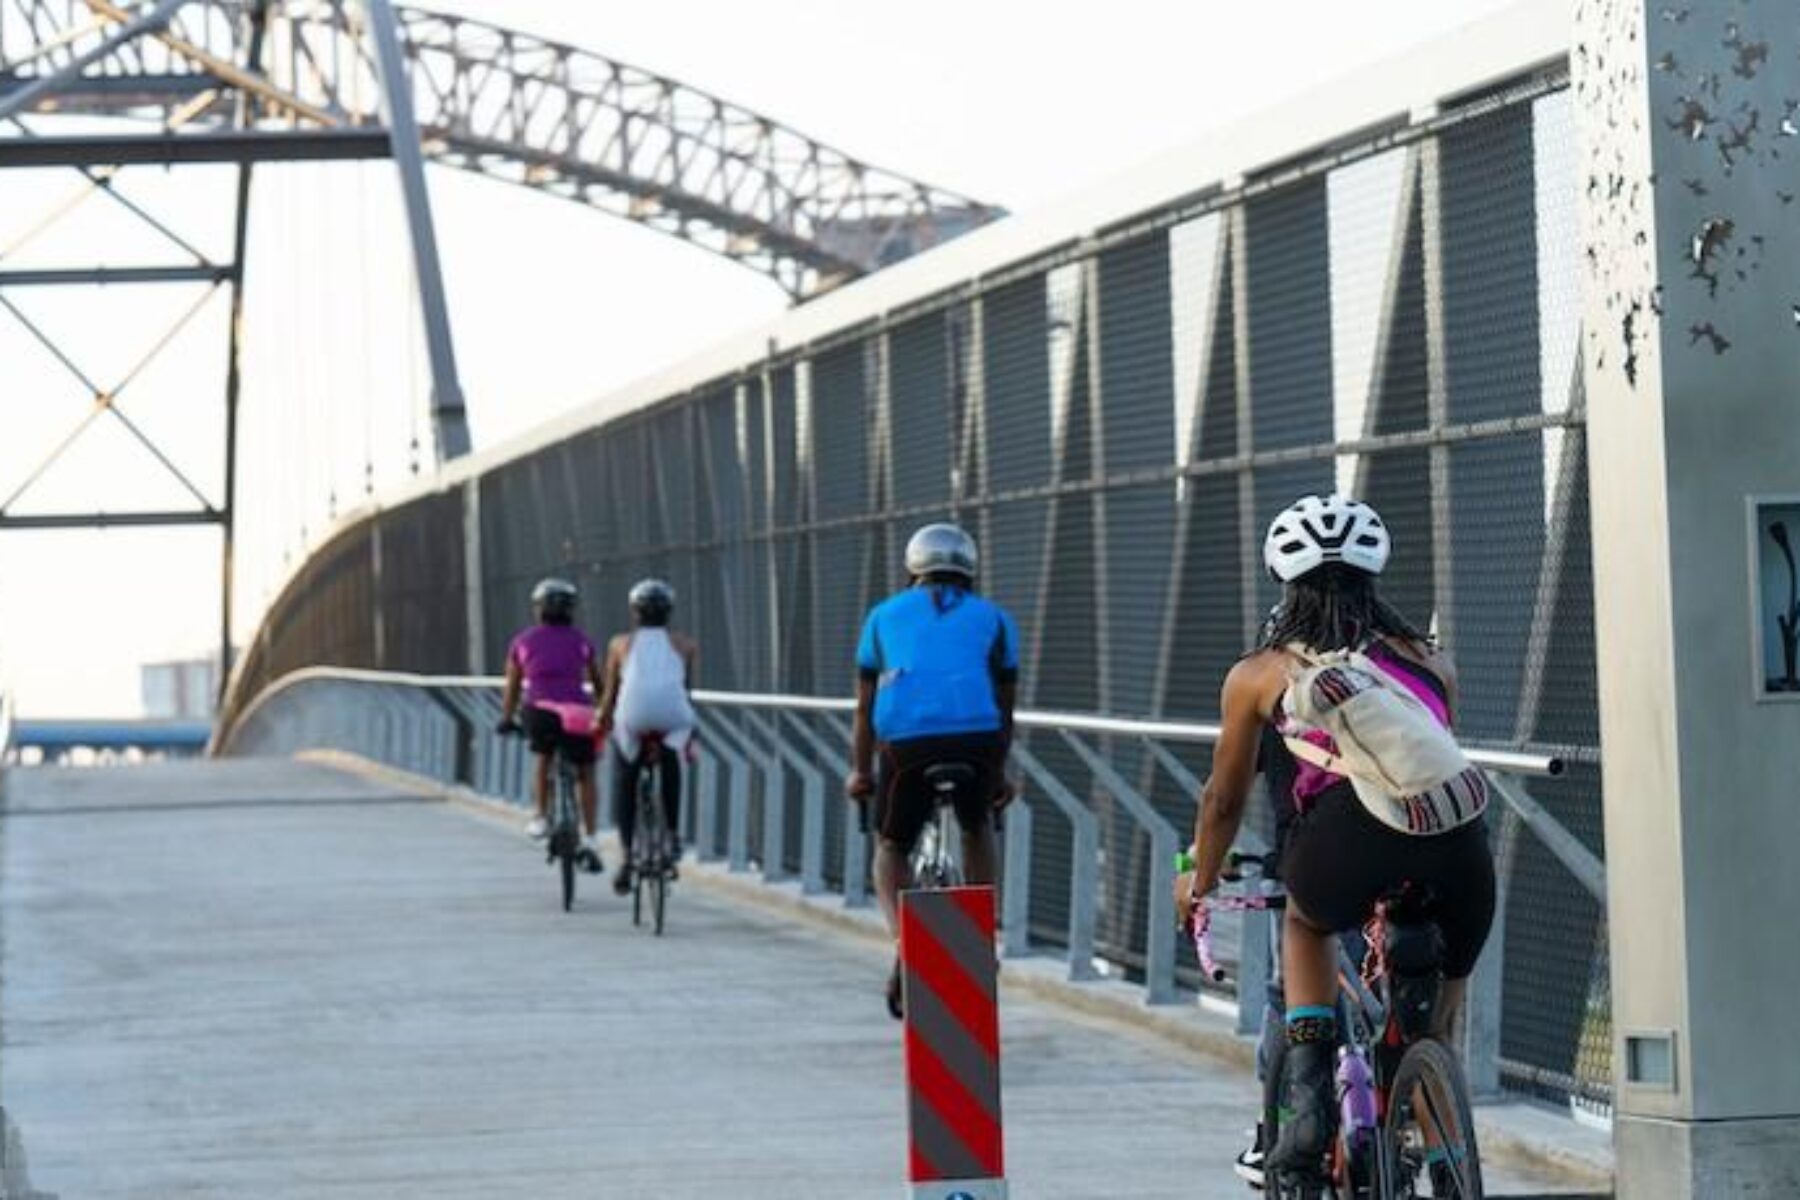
(1324, 759)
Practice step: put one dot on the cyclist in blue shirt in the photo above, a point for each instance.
(938, 669)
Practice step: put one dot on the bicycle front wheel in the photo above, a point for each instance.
(1429, 1132)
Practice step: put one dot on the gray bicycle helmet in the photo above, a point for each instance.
(941, 549)
(652, 601)
(554, 600)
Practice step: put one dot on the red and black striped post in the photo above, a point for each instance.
(949, 975)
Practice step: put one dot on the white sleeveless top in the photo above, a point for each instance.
(653, 694)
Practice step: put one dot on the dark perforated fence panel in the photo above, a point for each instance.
(1117, 422)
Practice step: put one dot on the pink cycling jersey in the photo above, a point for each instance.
(554, 661)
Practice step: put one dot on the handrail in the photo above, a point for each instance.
(1513, 762)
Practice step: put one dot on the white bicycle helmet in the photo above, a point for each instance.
(1316, 530)
(941, 549)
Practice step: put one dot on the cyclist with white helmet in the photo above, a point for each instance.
(546, 666)
(1340, 860)
(649, 674)
(938, 669)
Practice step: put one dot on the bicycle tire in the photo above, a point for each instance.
(660, 901)
(1430, 1078)
(566, 841)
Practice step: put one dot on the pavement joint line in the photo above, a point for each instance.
(1513, 1133)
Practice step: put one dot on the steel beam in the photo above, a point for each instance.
(449, 416)
(103, 520)
(230, 146)
(192, 273)
(24, 98)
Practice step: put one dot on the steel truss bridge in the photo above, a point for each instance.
(247, 81)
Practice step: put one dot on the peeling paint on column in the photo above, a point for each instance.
(1708, 89)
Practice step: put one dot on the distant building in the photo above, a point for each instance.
(183, 690)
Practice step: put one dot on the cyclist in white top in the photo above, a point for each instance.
(648, 675)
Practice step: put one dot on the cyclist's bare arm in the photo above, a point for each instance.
(1245, 703)
(689, 649)
(596, 680)
(509, 694)
(615, 665)
(862, 739)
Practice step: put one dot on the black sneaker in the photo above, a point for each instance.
(1309, 1110)
(622, 880)
(589, 858)
(1249, 1164)
(895, 1010)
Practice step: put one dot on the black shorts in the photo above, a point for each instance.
(1339, 861)
(903, 801)
(546, 735)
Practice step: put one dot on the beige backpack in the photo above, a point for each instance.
(1407, 769)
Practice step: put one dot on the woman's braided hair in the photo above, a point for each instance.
(1336, 607)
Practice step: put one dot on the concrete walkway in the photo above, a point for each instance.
(273, 979)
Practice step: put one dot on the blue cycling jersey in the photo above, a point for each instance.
(936, 651)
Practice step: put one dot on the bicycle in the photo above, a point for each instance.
(1403, 1106)
(933, 863)
(562, 842)
(653, 865)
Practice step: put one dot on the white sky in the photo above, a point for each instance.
(552, 303)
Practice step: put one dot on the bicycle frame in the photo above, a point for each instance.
(1370, 1028)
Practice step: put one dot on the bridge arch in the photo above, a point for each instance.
(500, 102)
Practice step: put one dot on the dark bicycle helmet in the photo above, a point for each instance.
(652, 601)
(554, 600)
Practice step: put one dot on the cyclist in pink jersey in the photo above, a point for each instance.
(551, 665)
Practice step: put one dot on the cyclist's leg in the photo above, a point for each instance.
(1332, 878)
(625, 777)
(542, 731)
(903, 805)
(1462, 884)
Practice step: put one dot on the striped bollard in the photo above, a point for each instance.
(952, 1045)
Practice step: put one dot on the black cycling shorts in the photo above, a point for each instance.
(1339, 860)
(544, 730)
(904, 802)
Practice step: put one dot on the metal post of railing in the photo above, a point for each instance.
(812, 807)
(1159, 926)
(774, 815)
(1015, 894)
(856, 841)
(1083, 866)
(856, 861)
(706, 806)
(719, 759)
(1484, 1009)
(737, 813)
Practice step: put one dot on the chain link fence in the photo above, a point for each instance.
(1117, 419)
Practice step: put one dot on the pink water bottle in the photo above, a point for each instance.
(1356, 1095)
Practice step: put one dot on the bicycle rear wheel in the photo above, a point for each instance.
(567, 864)
(1429, 1132)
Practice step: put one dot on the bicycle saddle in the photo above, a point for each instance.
(946, 778)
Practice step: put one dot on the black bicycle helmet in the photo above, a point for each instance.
(652, 601)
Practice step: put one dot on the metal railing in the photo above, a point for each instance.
(762, 800)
